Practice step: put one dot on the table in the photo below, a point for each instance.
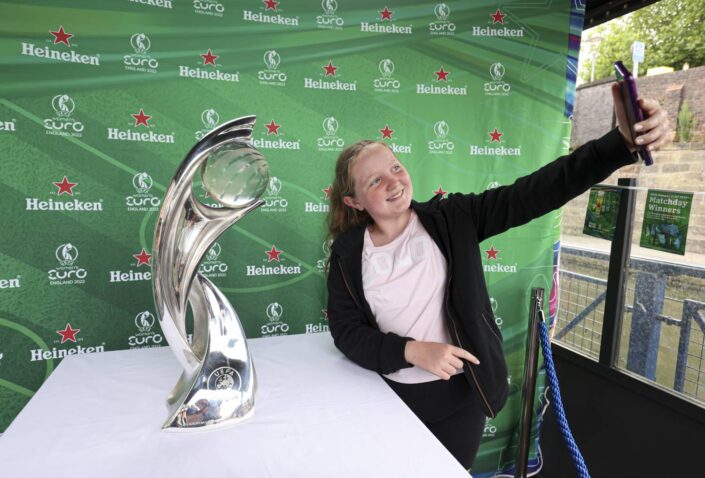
(316, 415)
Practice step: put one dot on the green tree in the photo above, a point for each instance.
(673, 31)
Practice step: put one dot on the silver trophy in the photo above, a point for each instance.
(217, 386)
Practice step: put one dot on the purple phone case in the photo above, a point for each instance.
(634, 113)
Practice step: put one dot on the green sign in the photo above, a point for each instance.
(601, 214)
(100, 101)
(666, 218)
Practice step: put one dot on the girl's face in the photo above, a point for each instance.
(382, 185)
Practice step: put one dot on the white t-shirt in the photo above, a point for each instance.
(404, 283)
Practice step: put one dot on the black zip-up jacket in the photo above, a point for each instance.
(458, 224)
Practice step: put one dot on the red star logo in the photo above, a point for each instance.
(68, 334)
(325, 313)
(442, 75)
(386, 14)
(65, 186)
(273, 254)
(209, 58)
(141, 118)
(330, 69)
(328, 190)
(440, 191)
(143, 258)
(386, 132)
(492, 253)
(272, 128)
(270, 5)
(497, 17)
(496, 136)
(61, 36)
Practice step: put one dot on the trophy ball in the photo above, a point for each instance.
(235, 174)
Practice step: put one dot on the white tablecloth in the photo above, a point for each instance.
(316, 415)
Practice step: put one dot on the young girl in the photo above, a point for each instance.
(406, 291)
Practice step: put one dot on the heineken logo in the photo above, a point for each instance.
(386, 133)
(154, 3)
(68, 333)
(141, 120)
(63, 123)
(442, 26)
(203, 72)
(13, 283)
(37, 355)
(496, 265)
(208, 7)
(271, 75)
(329, 80)
(63, 187)
(8, 125)
(274, 312)
(60, 38)
(497, 21)
(329, 20)
(140, 60)
(273, 256)
(271, 13)
(272, 129)
(321, 206)
(441, 145)
(143, 259)
(385, 25)
(495, 147)
(437, 89)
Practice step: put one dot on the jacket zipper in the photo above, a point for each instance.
(487, 323)
(345, 280)
(474, 376)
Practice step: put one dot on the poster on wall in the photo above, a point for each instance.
(666, 219)
(601, 214)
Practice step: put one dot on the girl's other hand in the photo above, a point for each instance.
(442, 360)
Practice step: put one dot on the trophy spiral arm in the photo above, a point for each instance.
(218, 383)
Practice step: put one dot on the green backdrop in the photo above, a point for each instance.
(101, 100)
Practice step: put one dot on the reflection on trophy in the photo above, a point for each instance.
(218, 384)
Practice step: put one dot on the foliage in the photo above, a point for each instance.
(686, 123)
(673, 31)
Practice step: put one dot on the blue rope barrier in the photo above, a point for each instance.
(555, 392)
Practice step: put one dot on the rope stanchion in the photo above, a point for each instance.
(555, 393)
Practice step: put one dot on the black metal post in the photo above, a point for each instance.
(617, 274)
(529, 387)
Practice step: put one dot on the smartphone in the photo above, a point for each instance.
(627, 85)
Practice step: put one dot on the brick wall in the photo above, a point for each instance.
(593, 102)
(676, 169)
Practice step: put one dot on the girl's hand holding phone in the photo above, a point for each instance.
(652, 132)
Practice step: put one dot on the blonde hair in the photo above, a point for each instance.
(341, 217)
